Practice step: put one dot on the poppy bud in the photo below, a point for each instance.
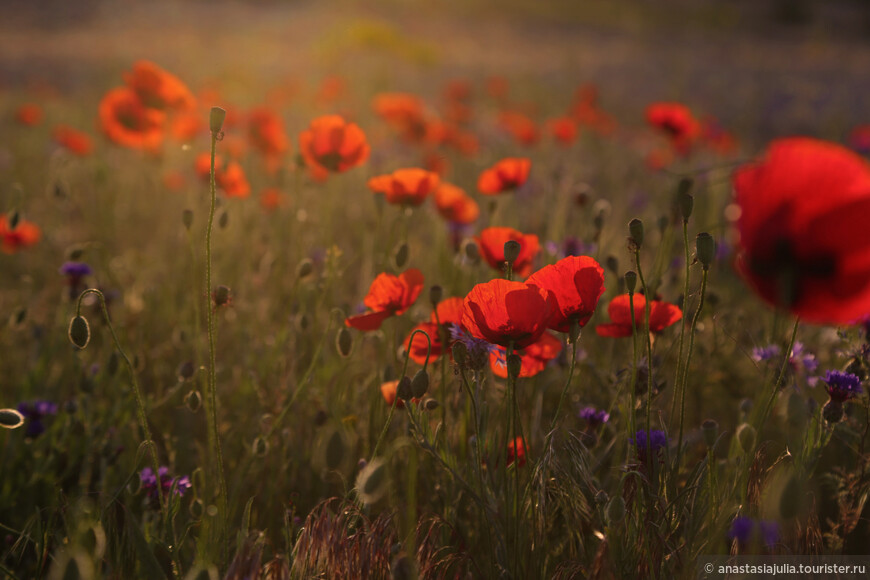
(260, 447)
(435, 294)
(710, 429)
(685, 200)
(216, 119)
(187, 218)
(79, 332)
(304, 268)
(472, 252)
(663, 224)
(514, 365)
(17, 318)
(403, 390)
(224, 220)
(11, 419)
(511, 251)
(419, 384)
(372, 483)
(635, 231)
(705, 249)
(221, 295)
(193, 401)
(185, 370)
(460, 353)
(616, 511)
(746, 407)
(343, 342)
(630, 281)
(400, 256)
(746, 437)
(14, 218)
(612, 263)
(833, 411)
(431, 404)
(601, 497)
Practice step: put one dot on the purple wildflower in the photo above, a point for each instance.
(34, 412)
(801, 357)
(75, 269)
(741, 529)
(762, 353)
(769, 532)
(842, 386)
(594, 417)
(645, 448)
(571, 246)
(150, 485)
(478, 349)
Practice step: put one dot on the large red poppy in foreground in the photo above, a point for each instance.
(388, 295)
(503, 312)
(804, 241)
(576, 283)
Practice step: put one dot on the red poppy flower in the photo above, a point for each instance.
(266, 132)
(174, 180)
(563, 129)
(185, 125)
(676, 121)
(449, 313)
(29, 114)
(233, 181)
(575, 283)
(506, 175)
(504, 312)
(388, 295)
(158, 89)
(74, 140)
(405, 186)
(491, 243)
(455, 205)
(804, 241)
(332, 144)
(520, 126)
(271, 199)
(661, 315)
(535, 357)
(404, 111)
(127, 122)
(517, 448)
(24, 234)
(331, 89)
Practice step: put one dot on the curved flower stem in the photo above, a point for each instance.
(678, 377)
(685, 379)
(781, 376)
(396, 398)
(142, 415)
(211, 395)
(649, 361)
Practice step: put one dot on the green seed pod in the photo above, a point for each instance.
(420, 384)
(472, 252)
(336, 449)
(343, 342)
(403, 389)
(372, 483)
(11, 419)
(601, 497)
(686, 203)
(79, 332)
(512, 250)
(304, 269)
(705, 248)
(514, 365)
(710, 430)
(663, 222)
(615, 511)
(612, 263)
(746, 437)
(260, 447)
(193, 401)
(635, 231)
(431, 404)
(400, 256)
(14, 219)
(186, 370)
(630, 281)
(187, 218)
(435, 294)
(216, 119)
(197, 509)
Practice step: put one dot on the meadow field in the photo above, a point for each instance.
(403, 290)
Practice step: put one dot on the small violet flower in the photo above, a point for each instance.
(150, 484)
(34, 412)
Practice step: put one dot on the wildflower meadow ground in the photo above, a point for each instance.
(395, 291)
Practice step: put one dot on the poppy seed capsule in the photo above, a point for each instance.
(615, 511)
(601, 497)
(224, 220)
(612, 263)
(511, 251)
(216, 119)
(400, 257)
(746, 437)
(11, 419)
(431, 404)
(710, 429)
(472, 252)
(187, 218)
(705, 249)
(304, 269)
(403, 390)
(635, 231)
(420, 384)
(630, 281)
(686, 203)
(79, 332)
(435, 294)
(343, 342)
(14, 219)
(514, 365)
(221, 295)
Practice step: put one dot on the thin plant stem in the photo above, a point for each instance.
(564, 389)
(632, 390)
(685, 380)
(678, 377)
(649, 362)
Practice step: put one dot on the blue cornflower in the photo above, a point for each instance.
(34, 412)
(150, 485)
(478, 349)
(594, 417)
(657, 440)
(741, 529)
(842, 386)
(75, 269)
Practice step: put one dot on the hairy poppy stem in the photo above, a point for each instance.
(631, 391)
(678, 377)
(211, 395)
(564, 392)
(142, 415)
(685, 379)
(649, 361)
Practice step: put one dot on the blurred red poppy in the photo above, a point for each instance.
(331, 144)
(661, 315)
(535, 357)
(506, 175)
(677, 122)
(576, 283)
(404, 112)
(563, 129)
(266, 132)
(233, 181)
(157, 88)
(517, 448)
(23, 235)
(388, 391)
(388, 295)
(408, 187)
(271, 199)
(503, 312)
(127, 122)
(454, 205)
(29, 114)
(518, 124)
(449, 313)
(491, 243)
(74, 140)
(804, 241)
